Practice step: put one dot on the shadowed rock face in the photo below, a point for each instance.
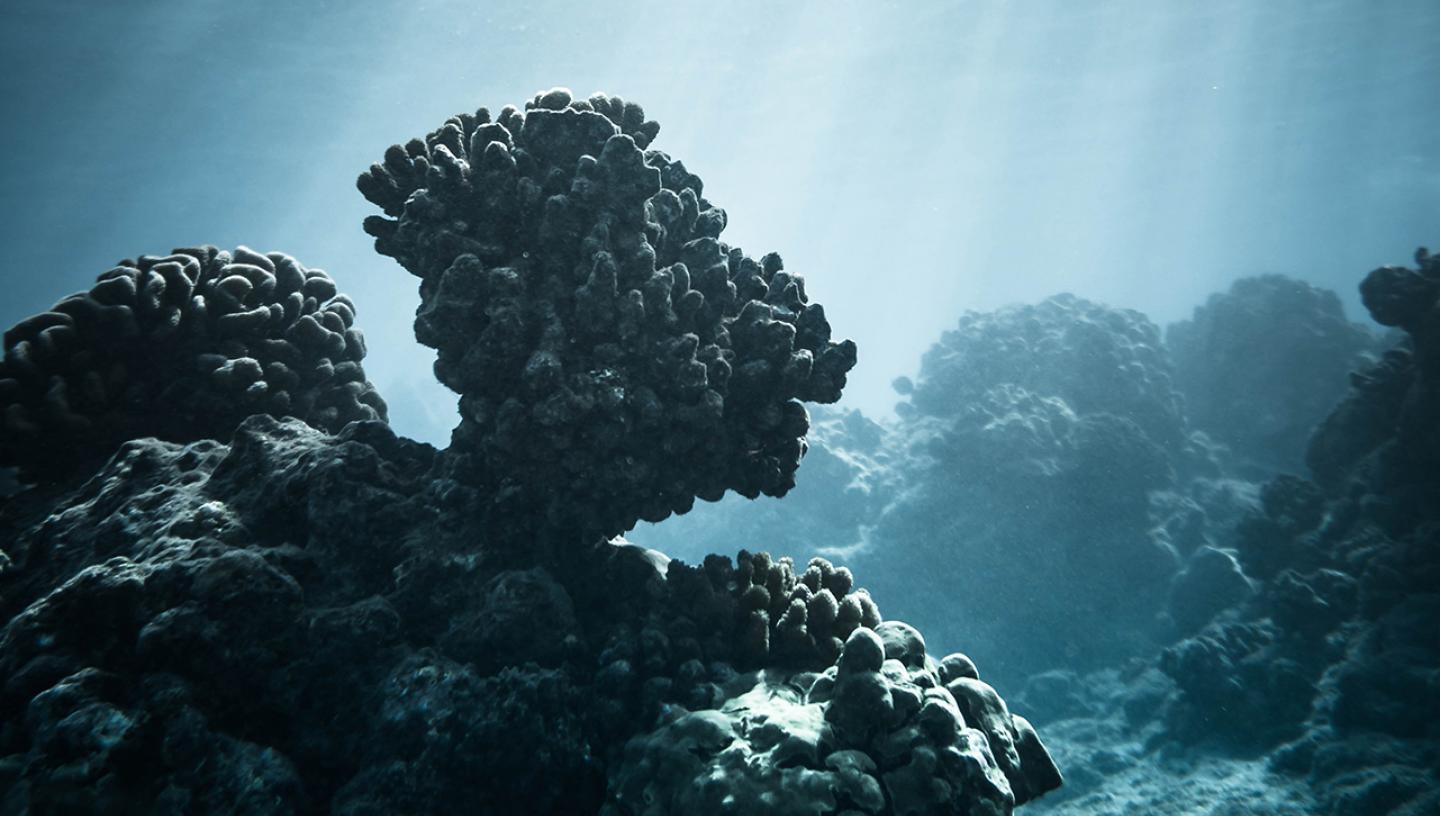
(615, 359)
(181, 347)
(1262, 364)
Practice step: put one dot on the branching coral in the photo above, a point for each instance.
(180, 347)
(615, 359)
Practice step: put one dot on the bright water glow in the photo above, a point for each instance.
(911, 159)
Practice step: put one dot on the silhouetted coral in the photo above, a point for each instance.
(1261, 364)
(851, 473)
(615, 360)
(181, 347)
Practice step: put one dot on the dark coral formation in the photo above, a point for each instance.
(263, 615)
(180, 347)
(852, 472)
(296, 619)
(615, 359)
(1261, 364)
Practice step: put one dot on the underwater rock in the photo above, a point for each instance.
(615, 359)
(256, 609)
(1383, 433)
(181, 347)
(1261, 364)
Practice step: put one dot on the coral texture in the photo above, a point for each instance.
(615, 359)
(180, 347)
(264, 615)
(885, 730)
(307, 622)
(1384, 433)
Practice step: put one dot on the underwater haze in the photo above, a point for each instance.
(955, 408)
(912, 159)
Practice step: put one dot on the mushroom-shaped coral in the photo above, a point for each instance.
(181, 347)
(615, 359)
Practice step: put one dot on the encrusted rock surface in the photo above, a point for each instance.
(1098, 359)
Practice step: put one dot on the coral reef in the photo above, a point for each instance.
(1295, 669)
(1321, 681)
(1261, 364)
(1043, 451)
(280, 606)
(180, 347)
(1034, 440)
(615, 359)
(1384, 433)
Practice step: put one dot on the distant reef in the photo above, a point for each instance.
(1210, 565)
(228, 587)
